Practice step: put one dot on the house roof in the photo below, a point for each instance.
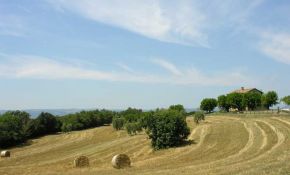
(245, 90)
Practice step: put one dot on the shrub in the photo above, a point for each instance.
(198, 116)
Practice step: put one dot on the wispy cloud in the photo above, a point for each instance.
(125, 67)
(276, 46)
(178, 22)
(168, 66)
(183, 22)
(34, 67)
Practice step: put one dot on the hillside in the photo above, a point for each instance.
(221, 145)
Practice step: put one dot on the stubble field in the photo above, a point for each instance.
(220, 145)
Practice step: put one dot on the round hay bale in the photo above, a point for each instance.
(5, 153)
(121, 161)
(81, 161)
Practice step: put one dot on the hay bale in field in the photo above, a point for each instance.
(121, 161)
(81, 161)
(5, 153)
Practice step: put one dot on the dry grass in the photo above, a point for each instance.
(222, 145)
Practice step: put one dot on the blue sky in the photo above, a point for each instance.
(145, 54)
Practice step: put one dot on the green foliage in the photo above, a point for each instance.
(208, 104)
(131, 114)
(223, 103)
(22, 115)
(198, 116)
(269, 99)
(16, 126)
(168, 129)
(118, 123)
(147, 119)
(133, 128)
(235, 101)
(11, 130)
(286, 100)
(252, 100)
(178, 108)
(44, 124)
(86, 119)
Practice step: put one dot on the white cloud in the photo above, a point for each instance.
(125, 67)
(168, 66)
(33, 67)
(177, 23)
(185, 22)
(276, 46)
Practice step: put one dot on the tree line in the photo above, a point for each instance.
(17, 127)
(240, 102)
(165, 127)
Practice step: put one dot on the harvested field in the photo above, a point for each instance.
(220, 145)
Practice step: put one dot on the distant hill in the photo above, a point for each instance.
(60, 112)
(35, 112)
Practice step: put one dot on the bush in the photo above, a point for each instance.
(198, 116)
(168, 129)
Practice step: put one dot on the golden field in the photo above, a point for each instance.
(220, 145)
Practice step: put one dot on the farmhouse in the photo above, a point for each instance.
(244, 90)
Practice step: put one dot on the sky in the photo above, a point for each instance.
(144, 54)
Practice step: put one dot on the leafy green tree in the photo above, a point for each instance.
(22, 115)
(198, 116)
(286, 100)
(178, 107)
(252, 100)
(208, 104)
(11, 132)
(45, 123)
(235, 101)
(222, 103)
(168, 129)
(269, 99)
